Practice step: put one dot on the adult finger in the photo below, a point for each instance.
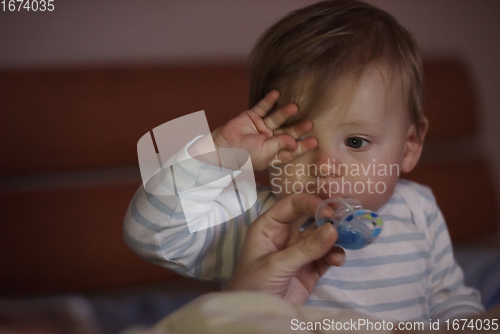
(264, 105)
(297, 234)
(273, 230)
(309, 249)
(335, 256)
(291, 208)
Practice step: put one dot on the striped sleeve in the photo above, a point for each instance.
(155, 226)
(449, 297)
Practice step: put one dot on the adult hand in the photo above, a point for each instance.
(277, 258)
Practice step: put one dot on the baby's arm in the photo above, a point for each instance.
(449, 296)
(155, 226)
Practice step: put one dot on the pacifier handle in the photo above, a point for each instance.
(349, 207)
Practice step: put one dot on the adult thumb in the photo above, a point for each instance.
(307, 250)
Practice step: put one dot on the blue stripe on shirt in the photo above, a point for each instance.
(449, 289)
(164, 208)
(188, 244)
(411, 236)
(171, 242)
(388, 218)
(387, 259)
(425, 194)
(446, 271)
(439, 230)
(198, 268)
(140, 219)
(431, 218)
(397, 200)
(445, 251)
(373, 284)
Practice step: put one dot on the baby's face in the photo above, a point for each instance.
(361, 144)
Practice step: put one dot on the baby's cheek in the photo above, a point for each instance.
(378, 191)
(285, 183)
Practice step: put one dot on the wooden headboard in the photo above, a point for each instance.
(69, 164)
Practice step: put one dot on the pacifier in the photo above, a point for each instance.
(356, 227)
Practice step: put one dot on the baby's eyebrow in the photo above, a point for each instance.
(361, 124)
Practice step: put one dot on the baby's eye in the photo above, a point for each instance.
(356, 142)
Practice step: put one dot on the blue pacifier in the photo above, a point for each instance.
(356, 227)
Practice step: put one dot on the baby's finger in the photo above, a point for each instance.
(274, 145)
(303, 146)
(296, 131)
(277, 118)
(264, 105)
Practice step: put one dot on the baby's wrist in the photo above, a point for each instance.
(202, 150)
(218, 140)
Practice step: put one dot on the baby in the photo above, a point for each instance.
(336, 97)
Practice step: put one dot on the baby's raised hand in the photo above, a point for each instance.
(261, 136)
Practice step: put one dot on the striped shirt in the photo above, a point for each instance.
(407, 273)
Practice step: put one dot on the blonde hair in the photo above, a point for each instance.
(302, 54)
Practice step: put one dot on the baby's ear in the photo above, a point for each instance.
(414, 144)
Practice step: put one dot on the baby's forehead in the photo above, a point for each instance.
(371, 97)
